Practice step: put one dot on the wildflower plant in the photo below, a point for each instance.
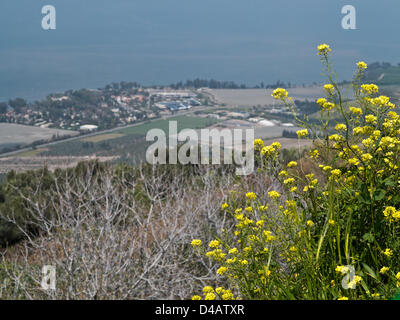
(296, 242)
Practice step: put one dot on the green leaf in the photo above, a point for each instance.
(379, 194)
(390, 182)
(369, 271)
(369, 237)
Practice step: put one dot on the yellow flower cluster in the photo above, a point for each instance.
(292, 164)
(329, 88)
(274, 194)
(196, 243)
(251, 196)
(279, 93)
(258, 144)
(324, 104)
(324, 49)
(211, 294)
(356, 111)
(271, 150)
(302, 133)
(369, 89)
(391, 214)
(362, 65)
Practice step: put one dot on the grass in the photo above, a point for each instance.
(184, 122)
(31, 153)
(103, 137)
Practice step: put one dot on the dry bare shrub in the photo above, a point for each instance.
(119, 236)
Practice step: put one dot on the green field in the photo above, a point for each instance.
(32, 153)
(103, 137)
(129, 144)
(184, 122)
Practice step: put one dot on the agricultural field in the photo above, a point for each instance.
(32, 153)
(128, 144)
(253, 97)
(103, 137)
(183, 122)
(16, 134)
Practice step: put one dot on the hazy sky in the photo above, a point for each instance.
(164, 41)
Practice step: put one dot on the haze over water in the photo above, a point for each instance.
(164, 41)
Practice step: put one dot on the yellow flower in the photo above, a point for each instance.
(302, 133)
(233, 251)
(196, 243)
(342, 269)
(263, 208)
(289, 181)
(274, 194)
(325, 168)
(283, 173)
(310, 223)
(324, 49)
(381, 101)
(276, 145)
(219, 290)
(341, 127)
(328, 106)
(210, 296)
(314, 154)
(398, 276)
(244, 262)
(366, 157)
(362, 65)
(268, 236)
(258, 143)
(331, 222)
(384, 270)
(356, 111)
(208, 289)
(292, 164)
(279, 93)
(354, 161)
(293, 189)
(388, 252)
(371, 119)
(335, 174)
(336, 137)
(251, 195)
(196, 298)
(225, 205)
(260, 223)
(343, 298)
(228, 295)
(222, 271)
(369, 88)
(214, 244)
(330, 88)
(321, 101)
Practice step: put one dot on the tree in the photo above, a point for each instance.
(3, 107)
